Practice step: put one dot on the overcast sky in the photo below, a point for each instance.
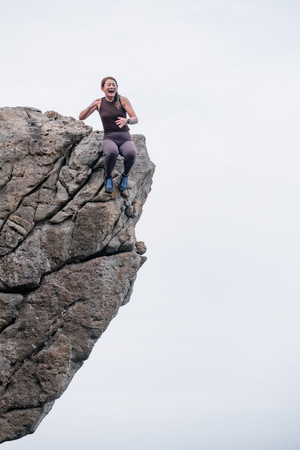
(206, 354)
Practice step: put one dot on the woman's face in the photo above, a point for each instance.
(110, 88)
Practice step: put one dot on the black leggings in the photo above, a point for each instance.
(116, 143)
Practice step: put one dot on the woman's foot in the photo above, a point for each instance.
(108, 185)
(123, 183)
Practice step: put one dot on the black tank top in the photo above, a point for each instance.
(109, 113)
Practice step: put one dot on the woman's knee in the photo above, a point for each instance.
(128, 150)
(110, 149)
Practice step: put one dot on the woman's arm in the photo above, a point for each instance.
(121, 122)
(90, 109)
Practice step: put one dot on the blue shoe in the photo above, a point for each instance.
(123, 183)
(108, 185)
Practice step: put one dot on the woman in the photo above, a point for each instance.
(113, 110)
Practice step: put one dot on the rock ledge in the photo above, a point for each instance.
(68, 255)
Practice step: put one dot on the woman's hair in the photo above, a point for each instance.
(117, 96)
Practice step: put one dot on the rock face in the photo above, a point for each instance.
(68, 256)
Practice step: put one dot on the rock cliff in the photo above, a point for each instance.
(68, 256)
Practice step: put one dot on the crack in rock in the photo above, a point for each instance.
(68, 256)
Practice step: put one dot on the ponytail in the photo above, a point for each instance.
(118, 103)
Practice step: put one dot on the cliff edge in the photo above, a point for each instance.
(68, 255)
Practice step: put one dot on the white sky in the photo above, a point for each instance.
(206, 354)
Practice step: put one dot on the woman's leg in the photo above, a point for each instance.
(110, 151)
(128, 151)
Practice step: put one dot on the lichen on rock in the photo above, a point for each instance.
(68, 255)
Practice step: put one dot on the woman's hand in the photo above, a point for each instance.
(96, 103)
(121, 122)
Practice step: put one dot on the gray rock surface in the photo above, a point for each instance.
(68, 255)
